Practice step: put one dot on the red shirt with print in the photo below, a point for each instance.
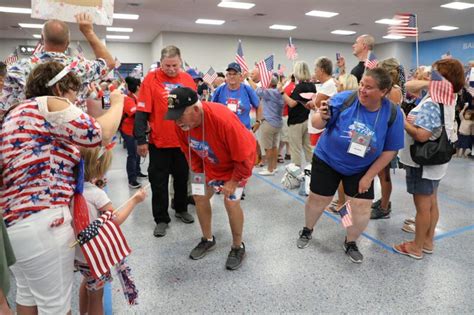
(288, 90)
(129, 110)
(226, 151)
(153, 99)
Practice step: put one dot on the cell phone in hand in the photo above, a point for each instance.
(338, 56)
(106, 100)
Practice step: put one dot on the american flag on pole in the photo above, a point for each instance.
(210, 76)
(290, 50)
(266, 71)
(12, 58)
(371, 61)
(79, 50)
(407, 25)
(240, 59)
(346, 215)
(441, 90)
(281, 69)
(39, 47)
(103, 244)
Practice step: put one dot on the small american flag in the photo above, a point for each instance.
(12, 58)
(186, 66)
(79, 50)
(39, 47)
(266, 71)
(210, 76)
(441, 90)
(346, 215)
(103, 244)
(290, 50)
(371, 61)
(240, 59)
(281, 69)
(406, 27)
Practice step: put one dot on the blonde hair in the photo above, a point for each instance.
(301, 71)
(348, 82)
(393, 67)
(94, 166)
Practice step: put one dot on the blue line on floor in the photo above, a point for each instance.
(454, 232)
(330, 215)
(108, 299)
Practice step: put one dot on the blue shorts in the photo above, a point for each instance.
(417, 185)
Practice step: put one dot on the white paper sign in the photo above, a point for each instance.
(101, 10)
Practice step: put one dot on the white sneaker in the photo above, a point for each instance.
(266, 172)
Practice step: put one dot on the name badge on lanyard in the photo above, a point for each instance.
(359, 142)
(233, 104)
(198, 184)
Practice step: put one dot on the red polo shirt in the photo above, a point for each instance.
(129, 109)
(153, 99)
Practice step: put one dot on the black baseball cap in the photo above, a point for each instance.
(234, 66)
(178, 99)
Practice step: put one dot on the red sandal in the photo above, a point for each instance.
(402, 249)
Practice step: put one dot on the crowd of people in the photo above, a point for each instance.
(59, 112)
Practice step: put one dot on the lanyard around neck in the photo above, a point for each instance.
(376, 118)
(203, 142)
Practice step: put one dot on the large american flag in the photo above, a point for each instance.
(240, 59)
(210, 76)
(441, 90)
(12, 58)
(346, 215)
(406, 27)
(290, 50)
(266, 71)
(103, 244)
(371, 61)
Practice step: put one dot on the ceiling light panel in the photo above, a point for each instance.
(15, 10)
(343, 32)
(394, 37)
(388, 21)
(445, 28)
(37, 35)
(210, 22)
(324, 14)
(282, 27)
(28, 25)
(118, 37)
(122, 16)
(236, 5)
(120, 29)
(458, 5)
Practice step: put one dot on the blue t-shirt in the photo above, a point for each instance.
(239, 101)
(334, 143)
(272, 102)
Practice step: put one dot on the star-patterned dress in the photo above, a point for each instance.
(38, 151)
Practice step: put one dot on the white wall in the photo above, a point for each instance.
(400, 50)
(125, 52)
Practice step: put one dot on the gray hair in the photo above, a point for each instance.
(368, 40)
(56, 33)
(301, 71)
(325, 64)
(170, 52)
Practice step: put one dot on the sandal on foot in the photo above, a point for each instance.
(409, 228)
(402, 249)
(427, 251)
(280, 159)
(409, 221)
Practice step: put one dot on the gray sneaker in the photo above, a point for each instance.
(305, 236)
(235, 258)
(186, 217)
(352, 251)
(160, 229)
(379, 213)
(202, 248)
(376, 204)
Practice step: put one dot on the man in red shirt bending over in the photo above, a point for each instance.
(166, 157)
(221, 153)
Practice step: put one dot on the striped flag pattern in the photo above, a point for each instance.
(79, 50)
(406, 27)
(240, 59)
(12, 58)
(266, 71)
(441, 90)
(39, 47)
(371, 61)
(346, 215)
(103, 244)
(290, 50)
(210, 76)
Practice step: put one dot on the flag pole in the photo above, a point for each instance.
(416, 40)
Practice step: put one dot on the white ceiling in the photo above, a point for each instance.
(179, 15)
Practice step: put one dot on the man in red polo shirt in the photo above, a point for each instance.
(221, 152)
(166, 157)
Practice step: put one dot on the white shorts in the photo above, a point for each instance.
(44, 262)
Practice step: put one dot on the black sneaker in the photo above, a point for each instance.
(305, 237)
(141, 175)
(352, 251)
(376, 204)
(235, 258)
(379, 213)
(202, 248)
(134, 185)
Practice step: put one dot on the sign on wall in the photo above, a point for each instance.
(65, 10)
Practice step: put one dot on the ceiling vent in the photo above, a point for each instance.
(259, 14)
(354, 24)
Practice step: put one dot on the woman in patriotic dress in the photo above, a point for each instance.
(38, 147)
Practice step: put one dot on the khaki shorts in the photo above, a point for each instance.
(269, 136)
(284, 130)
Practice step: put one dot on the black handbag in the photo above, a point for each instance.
(435, 152)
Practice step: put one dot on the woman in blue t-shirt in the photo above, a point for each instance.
(362, 134)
